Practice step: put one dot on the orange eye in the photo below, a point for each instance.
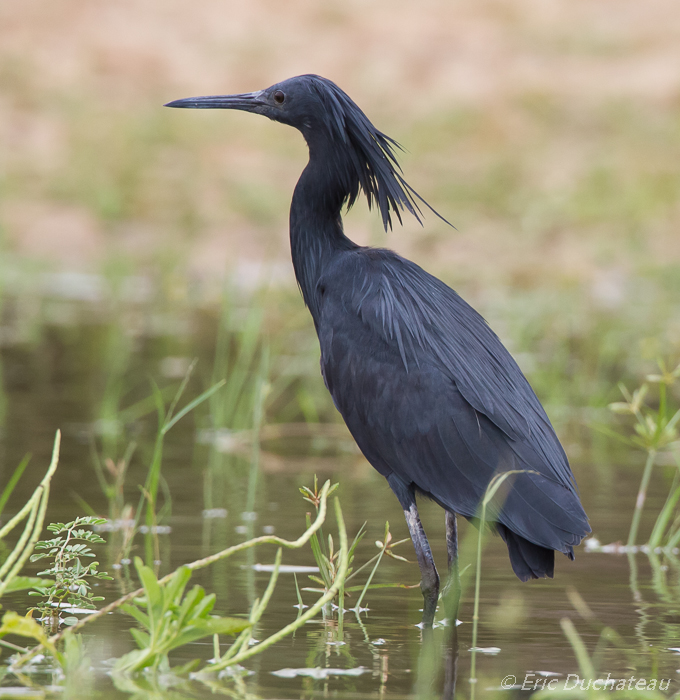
(279, 97)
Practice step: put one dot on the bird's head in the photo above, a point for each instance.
(289, 102)
(330, 120)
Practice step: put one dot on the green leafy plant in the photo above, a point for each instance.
(26, 626)
(327, 557)
(71, 586)
(243, 648)
(656, 429)
(169, 616)
(170, 619)
(240, 650)
(324, 555)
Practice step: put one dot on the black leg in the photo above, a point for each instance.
(429, 583)
(452, 539)
(452, 596)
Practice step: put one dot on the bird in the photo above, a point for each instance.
(432, 397)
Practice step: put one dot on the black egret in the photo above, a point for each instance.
(430, 394)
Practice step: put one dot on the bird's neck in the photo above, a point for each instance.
(316, 232)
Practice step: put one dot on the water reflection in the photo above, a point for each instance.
(438, 665)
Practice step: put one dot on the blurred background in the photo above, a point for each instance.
(135, 238)
(548, 133)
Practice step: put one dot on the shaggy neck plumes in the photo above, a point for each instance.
(347, 156)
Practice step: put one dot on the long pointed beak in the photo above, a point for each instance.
(248, 102)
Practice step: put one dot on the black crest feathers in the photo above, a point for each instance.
(370, 162)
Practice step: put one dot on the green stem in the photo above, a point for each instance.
(661, 524)
(30, 504)
(299, 621)
(475, 613)
(36, 507)
(490, 493)
(375, 568)
(642, 495)
(580, 651)
(13, 647)
(673, 541)
(37, 529)
(21, 546)
(36, 494)
(266, 596)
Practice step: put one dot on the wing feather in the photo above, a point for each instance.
(431, 395)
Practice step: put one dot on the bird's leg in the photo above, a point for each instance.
(452, 539)
(452, 596)
(429, 583)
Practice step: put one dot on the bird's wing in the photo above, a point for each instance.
(426, 387)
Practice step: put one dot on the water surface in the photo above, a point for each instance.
(62, 371)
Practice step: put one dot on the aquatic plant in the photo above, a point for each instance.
(71, 588)
(590, 680)
(170, 618)
(112, 476)
(655, 429)
(33, 512)
(327, 559)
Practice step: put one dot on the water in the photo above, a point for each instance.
(60, 370)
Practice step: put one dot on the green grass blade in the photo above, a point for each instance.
(192, 405)
(180, 390)
(584, 663)
(375, 568)
(664, 517)
(642, 494)
(13, 480)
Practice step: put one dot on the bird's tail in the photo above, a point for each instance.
(529, 560)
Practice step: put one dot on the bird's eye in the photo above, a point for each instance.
(279, 97)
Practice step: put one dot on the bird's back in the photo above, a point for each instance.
(434, 399)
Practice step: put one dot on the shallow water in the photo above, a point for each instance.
(55, 376)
